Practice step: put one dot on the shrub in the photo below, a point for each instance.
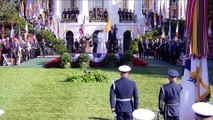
(84, 60)
(65, 60)
(133, 47)
(110, 60)
(127, 58)
(88, 77)
(51, 41)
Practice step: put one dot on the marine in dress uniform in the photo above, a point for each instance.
(203, 111)
(123, 90)
(170, 96)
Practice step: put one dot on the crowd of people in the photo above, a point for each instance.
(70, 13)
(98, 14)
(169, 51)
(126, 14)
(18, 50)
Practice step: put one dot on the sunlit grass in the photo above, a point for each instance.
(42, 94)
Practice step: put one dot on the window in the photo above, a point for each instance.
(99, 3)
(73, 3)
(124, 3)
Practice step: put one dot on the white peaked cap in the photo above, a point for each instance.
(124, 68)
(203, 109)
(143, 114)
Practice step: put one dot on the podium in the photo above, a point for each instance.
(87, 49)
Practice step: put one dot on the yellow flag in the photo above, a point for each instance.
(31, 8)
(194, 31)
(108, 25)
(22, 5)
(47, 4)
(38, 3)
(132, 31)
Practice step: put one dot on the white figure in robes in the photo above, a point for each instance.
(101, 48)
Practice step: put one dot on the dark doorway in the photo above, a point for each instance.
(126, 42)
(70, 41)
(95, 40)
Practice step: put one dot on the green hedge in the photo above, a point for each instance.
(65, 60)
(89, 77)
(110, 60)
(84, 60)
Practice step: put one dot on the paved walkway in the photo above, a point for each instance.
(40, 62)
(37, 62)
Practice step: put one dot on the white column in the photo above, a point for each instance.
(140, 16)
(130, 4)
(57, 8)
(113, 11)
(84, 11)
(167, 8)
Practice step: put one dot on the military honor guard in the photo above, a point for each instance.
(170, 96)
(126, 95)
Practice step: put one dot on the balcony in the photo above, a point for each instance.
(127, 16)
(69, 20)
(98, 15)
(128, 19)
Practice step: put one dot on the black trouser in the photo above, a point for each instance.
(124, 116)
(112, 47)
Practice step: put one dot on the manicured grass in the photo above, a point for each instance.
(42, 94)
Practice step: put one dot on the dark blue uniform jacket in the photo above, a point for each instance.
(124, 89)
(170, 95)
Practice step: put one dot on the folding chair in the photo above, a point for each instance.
(6, 61)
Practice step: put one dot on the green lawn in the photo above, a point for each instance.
(42, 94)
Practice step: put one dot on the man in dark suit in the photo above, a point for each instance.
(69, 13)
(120, 12)
(14, 51)
(140, 48)
(64, 14)
(124, 89)
(112, 39)
(170, 95)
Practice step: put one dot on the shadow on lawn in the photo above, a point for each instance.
(98, 118)
(162, 71)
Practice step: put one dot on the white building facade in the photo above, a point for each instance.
(84, 6)
(124, 29)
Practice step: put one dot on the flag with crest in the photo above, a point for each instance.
(195, 79)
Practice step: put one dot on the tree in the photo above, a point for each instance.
(9, 13)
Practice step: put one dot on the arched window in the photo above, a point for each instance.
(124, 3)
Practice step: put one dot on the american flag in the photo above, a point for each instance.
(139, 29)
(82, 28)
(12, 30)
